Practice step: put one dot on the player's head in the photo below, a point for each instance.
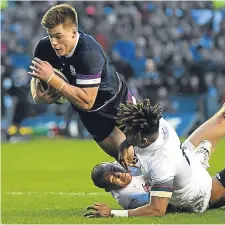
(110, 176)
(140, 122)
(61, 24)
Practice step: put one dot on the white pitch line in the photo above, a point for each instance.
(57, 193)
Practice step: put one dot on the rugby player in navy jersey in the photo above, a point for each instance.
(95, 90)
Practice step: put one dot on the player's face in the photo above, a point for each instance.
(63, 38)
(118, 178)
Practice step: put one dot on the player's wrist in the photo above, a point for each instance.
(50, 78)
(119, 213)
(56, 82)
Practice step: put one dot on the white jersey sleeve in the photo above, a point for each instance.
(158, 161)
(162, 169)
(162, 174)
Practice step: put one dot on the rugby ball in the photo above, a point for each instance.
(44, 86)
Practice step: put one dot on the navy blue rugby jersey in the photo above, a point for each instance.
(88, 67)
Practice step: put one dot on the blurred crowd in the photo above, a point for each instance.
(161, 48)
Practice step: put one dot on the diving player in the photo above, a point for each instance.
(95, 90)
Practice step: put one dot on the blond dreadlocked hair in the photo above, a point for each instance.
(139, 119)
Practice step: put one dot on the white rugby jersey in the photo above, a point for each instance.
(176, 172)
(134, 195)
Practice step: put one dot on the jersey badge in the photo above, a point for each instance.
(72, 70)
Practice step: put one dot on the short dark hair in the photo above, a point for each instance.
(98, 172)
(59, 14)
(139, 119)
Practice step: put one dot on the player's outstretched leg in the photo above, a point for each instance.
(212, 130)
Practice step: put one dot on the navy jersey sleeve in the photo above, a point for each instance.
(91, 65)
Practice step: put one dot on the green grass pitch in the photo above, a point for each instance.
(48, 182)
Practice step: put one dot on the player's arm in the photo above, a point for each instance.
(88, 80)
(83, 98)
(160, 195)
(162, 173)
(157, 207)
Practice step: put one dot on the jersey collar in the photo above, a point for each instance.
(71, 53)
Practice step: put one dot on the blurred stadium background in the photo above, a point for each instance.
(173, 52)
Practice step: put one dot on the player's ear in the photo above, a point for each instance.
(74, 32)
(144, 140)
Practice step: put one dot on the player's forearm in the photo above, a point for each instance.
(146, 210)
(78, 97)
(82, 98)
(157, 207)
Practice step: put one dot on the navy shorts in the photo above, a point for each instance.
(101, 126)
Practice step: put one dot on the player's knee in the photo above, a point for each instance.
(219, 203)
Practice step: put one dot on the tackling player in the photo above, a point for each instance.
(131, 190)
(95, 90)
(175, 174)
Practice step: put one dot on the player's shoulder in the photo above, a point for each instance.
(88, 45)
(168, 133)
(89, 56)
(88, 40)
(164, 124)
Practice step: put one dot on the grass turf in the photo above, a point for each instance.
(48, 182)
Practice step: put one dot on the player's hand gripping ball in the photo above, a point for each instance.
(44, 86)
